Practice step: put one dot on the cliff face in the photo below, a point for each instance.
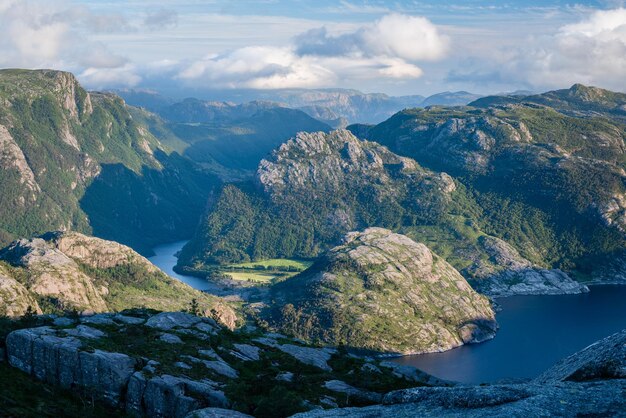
(383, 291)
(65, 271)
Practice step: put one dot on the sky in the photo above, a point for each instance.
(394, 47)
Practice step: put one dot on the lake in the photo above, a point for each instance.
(535, 331)
(165, 258)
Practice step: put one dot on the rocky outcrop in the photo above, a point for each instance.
(508, 273)
(55, 275)
(168, 396)
(605, 359)
(75, 271)
(385, 292)
(44, 354)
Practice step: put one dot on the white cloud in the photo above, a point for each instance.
(44, 34)
(386, 49)
(591, 51)
(101, 78)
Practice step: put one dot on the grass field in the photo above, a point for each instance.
(298, 265)
(265, 271)
(253, 276)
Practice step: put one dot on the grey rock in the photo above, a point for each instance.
(169, 320)
(59, 361)
(285, 376)
(459, 397)
(84, 331)
(328, 401)
(605, 359)
(217, 413)
(219, 366)
(209, 352)
(199, 335)
(246, 352)
(352, 392)
(182, 365)
(98, 319)
(565, 399)
(369, 367)
(129, 320)
(413, 374)
(169, 396)
(270, 342)
(317, 357)
(170, 338)
(208, 328)
(512, 274)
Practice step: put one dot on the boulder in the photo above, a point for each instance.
(60, 361)
(246, 352)
(317, 357)
(169, 396)
(170, 338)
(168, 320)
(352, 392)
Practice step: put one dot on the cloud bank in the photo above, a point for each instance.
(391, 48)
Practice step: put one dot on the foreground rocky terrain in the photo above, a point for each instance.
(174, 364)
(65, 271)
(384, 292)
(170, 364)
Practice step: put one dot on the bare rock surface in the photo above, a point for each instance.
(511, 274)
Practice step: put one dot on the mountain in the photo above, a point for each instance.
(384, 292)
(458, 98)
(70, 159)
(308, 194)
(577, 101)
(230, 139)
(317, 187)
(546, 170)
(63, 271)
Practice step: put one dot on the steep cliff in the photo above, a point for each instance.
(70, 159)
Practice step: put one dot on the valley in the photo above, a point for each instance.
(463, 241)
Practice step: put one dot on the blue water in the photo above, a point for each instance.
(535, 332)
(165, 258)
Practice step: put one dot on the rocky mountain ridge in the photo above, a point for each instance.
(316, 187)
(531, 155)
(71, 159)
(189, 367)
